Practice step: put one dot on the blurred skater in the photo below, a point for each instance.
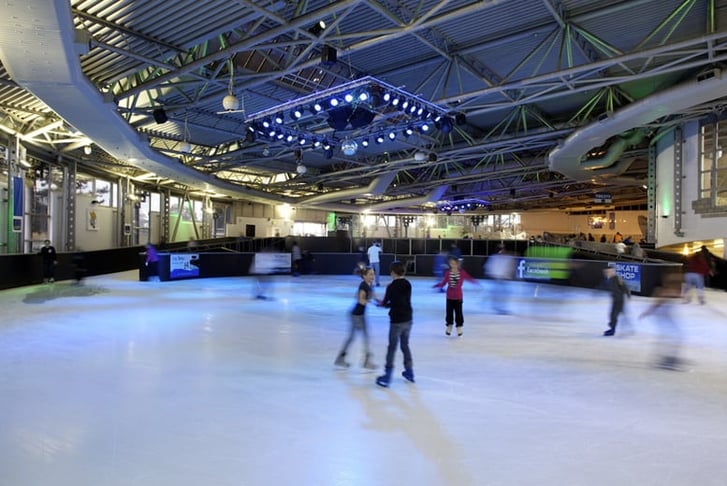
(698, 269)
(618, 290)
(440, 266)
(297, 259)
(152, 262)
(358, 321)
(453, 278)
(500, 267)
(398, 299)
(263, 266)
(662, 310)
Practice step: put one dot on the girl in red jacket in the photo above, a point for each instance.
(453, 279)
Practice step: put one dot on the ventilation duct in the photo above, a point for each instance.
(570, 157)
(376, 187)
(42, 56)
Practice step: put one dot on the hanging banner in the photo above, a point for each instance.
(18, 193)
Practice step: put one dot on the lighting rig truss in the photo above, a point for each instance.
(349, 115)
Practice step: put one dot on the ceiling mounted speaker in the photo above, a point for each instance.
(328, 55)
(338, 118)
(361, 117)
(160, 116)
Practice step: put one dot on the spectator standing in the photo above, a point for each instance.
(374, 254)
(50, 260)
(620, 248)
(637, 251)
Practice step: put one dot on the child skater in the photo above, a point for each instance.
(618, 289)
(398, 299)
(358, 320)
(453, 279)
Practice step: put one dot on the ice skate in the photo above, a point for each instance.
(341, 361)
(384, 379)
(368, 364)
(409, 375)
(448, 332)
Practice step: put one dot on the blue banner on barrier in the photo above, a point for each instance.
(630, 273)
(183, 265)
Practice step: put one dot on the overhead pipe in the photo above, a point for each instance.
(569, 157)
(376, 187)
(49, 68)
(431, 197)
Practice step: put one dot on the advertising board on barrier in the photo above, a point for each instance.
(542, 269)
(267, 263)
(630, 273)
(183, 265)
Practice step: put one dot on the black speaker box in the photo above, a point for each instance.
(328, 55)
(160, 116)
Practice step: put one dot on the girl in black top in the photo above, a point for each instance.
(358, 320)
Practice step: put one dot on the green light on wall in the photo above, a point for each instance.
(331, 221)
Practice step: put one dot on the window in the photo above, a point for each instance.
(713, 164)
(105, 193)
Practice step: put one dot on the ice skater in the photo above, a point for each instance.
(666, 296)
(358, 321)
(453, 278)
(398, 299)
(500, 267)
(618, 290)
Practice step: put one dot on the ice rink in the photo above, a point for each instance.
(196, 382)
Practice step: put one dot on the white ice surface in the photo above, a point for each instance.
(195, 382)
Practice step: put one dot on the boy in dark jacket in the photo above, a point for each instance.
(398, 299)
(618, 289)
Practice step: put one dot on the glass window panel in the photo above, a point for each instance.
(144, 213)
(156, 202)
(84, 184)
(103, 192)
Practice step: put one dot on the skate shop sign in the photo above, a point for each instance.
(630, 273)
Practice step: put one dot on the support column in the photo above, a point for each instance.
(164, 210)
(16, 205)
(651, 196)
(678, 179)
(69, 204)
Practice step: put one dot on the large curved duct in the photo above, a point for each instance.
(569, 158)
(433, 196)
(376, 187)
(38, 48)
